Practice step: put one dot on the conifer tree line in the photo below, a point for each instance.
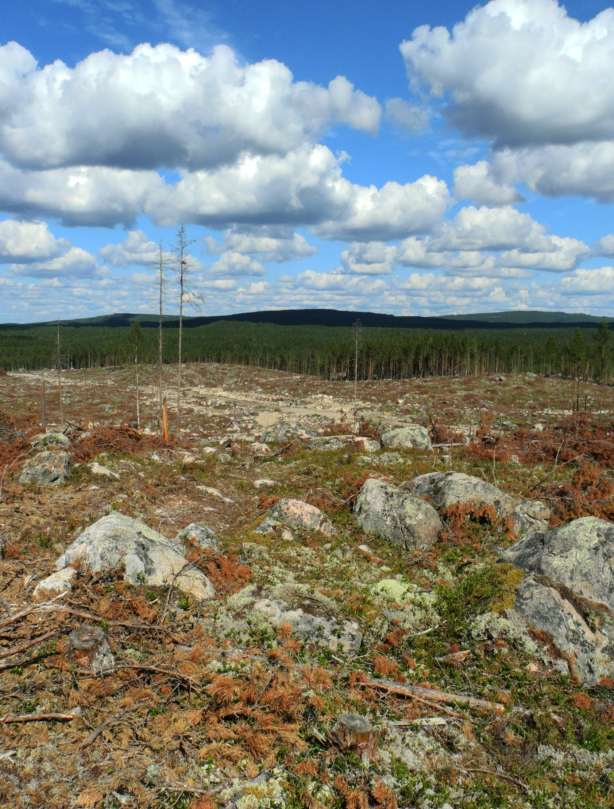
(331, 352)
(324, 351)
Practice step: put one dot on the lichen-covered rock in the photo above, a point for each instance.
(335, 442)
(46, 468)
(353, 731)
(396, 515)
(385, 459)
(90, 647)
(298, 515)
(588, 652)
(198, 536)
(445, 489)
(46, 440)
(579, 556)
(119, 544)
(405, 605)
(312, 616)
(529, 516)
(409, 436)
(266, 791)
(100, 471)
(569, 596)
(284, 431)
(56, 583)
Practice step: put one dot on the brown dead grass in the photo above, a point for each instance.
(114, 439)
(589, 493)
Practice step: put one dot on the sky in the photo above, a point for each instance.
(398, 157)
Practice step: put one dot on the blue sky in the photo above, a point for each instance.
(399, 157)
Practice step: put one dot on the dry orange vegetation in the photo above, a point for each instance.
(198, 704)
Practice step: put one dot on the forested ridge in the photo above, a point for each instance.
(323, 350)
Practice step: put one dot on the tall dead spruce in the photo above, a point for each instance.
(58, 367)
(182, 261)
(181, 247)
(161, 397)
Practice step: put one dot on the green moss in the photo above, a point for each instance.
(508, 579)
(489, 587)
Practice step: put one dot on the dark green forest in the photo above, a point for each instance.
(323, 350)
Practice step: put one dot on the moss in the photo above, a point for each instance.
(509, 578)
(488, 587)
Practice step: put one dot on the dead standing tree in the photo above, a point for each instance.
(161, 398)
(182, 246)
(356, 327)
(58, 367)
(136, 340)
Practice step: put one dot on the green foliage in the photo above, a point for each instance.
(489, 587)
(322, 350)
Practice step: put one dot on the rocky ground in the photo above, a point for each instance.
(303, 599)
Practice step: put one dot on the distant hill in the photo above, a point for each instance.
(335, 317)
(528, 316)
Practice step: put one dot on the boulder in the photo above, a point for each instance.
(396, 515)
(101, 471)
(198, 536)
(119, 544)
(264, 483)
(335, 442)
(578, 556)
(312, 616)
(298, 515)
(46, 468)
(589, 652)
(46, 440)
(280, 433)
(446, 489)
(354, 731)
(90, 648)
(56, 583)
(410, 436)
(385, 459)
(569, 594)
(529, 516)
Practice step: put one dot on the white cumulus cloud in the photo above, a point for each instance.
(476, 182)
(160, 106)
(25, 242)
(521, 72)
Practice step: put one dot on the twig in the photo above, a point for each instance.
(172, 585)
(21, 664)
(496, 774)
(434, 695)
(11, 719)
(40, 607)
(17, 649)
(90, 616)
(6, 468)
(156, 670)
(91, 738)
(10, 580)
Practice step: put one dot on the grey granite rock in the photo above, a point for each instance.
(396, 515)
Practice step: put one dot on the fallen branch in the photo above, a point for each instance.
(157, 670)
(90, 616)
(24, 613)
(22, 664)
(496, 774)
(11, 719)
(22, 648)
(434, 695)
